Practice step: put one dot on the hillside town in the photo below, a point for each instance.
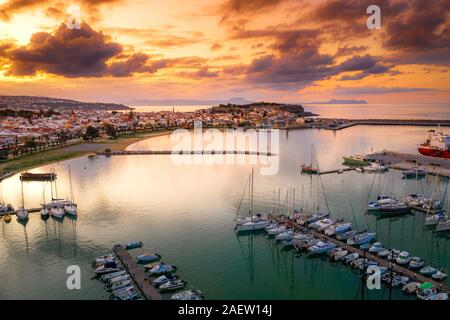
(23, 131)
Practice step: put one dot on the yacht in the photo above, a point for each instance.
(416, 263)
(321, 247)
(443, 225)
(361, 238)
(376, 247)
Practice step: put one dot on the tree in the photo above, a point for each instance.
(111, 130)
(91, 133)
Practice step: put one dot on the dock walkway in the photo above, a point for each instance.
(184, 152)
(395, 267)
(136, 273)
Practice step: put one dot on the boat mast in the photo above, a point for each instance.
(71, 188)
(23, 201)
(252, 192)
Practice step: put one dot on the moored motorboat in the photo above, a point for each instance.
(383, 253)
(355, 160)
(403, 258)
(163, 279)
(133, 245)
(147, 257)
(340, 255)
(410, 288)
(416, 263)
(105, 270)
(375, 167)
(188, 295)
(162, 268)
(350, 257)
(109, 276)
(321, 247)
(439, 275)
(361, 238)
(117, 279)
(172, 285)
(120, 284)
(376, 247)
(428, 271)
(443, 225)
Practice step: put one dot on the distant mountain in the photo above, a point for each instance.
(185, 102)
(336, 101)
(40, 103)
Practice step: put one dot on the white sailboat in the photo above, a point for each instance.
(70, 207)
(22, 213)
(45, 212)
(255, 223)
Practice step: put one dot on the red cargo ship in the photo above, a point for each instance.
(437, 145)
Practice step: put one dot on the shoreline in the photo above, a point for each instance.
(74, 151)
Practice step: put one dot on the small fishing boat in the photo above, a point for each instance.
(434, 219)
(128, 295)
(350, 257)
(105, 270)
(120, 278)
(120, 284)
(287, 235)
(7, 218)
(107, 277)
(383, 253)
(417, 172)
(163, 279)
(162, 268)
(133, 245)
(376, 247)
(411, 288)
(428, 271)
(425, 290)
(361, 238)
(355, 160)
(441, 296)
(188, 295)
(340, 255)
(309, 170)
(443, 225)
(106, 257)
(147, 257)
(393, 254)
(346, 235)
(321, 247)
(403, 258)
(172, 285)
(416, 263)
(365, 246)
(375, 167)
(440, 275)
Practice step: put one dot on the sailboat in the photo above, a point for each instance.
(3, 206)
(256, 222)
(45, 212)
(310, 169)
(56, 210)
(70, 207)
(22, 213)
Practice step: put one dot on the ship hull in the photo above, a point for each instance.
(427, 151)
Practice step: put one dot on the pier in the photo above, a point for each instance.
(136, 273)
(339, 124)
(14, 212)
(43, 177)
(407, 161)
(336, 171)
(184, 152)
(395, 267)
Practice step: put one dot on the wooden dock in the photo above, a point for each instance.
(184, 152)
(43, 177)
(395, 267)
(339, 124)
(336, 171)
(136, 273)
(32, 210)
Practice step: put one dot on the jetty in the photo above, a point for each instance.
(183, 152)
(336, 171)
(136, 273)
(14, 212)
(339, 124)
(27, 176)
(382, 262)
(407, 161)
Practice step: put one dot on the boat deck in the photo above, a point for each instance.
(395, 267)
(137, 274)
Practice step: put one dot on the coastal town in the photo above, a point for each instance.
(24, 128)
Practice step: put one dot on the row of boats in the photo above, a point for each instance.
(161, 276)
(314, 233)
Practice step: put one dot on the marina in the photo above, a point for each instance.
(125, 209)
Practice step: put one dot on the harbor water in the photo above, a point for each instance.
(185, 212)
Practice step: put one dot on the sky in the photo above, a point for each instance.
(271, 50)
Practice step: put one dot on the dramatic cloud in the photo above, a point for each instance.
(232, 8)
(378, 90)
